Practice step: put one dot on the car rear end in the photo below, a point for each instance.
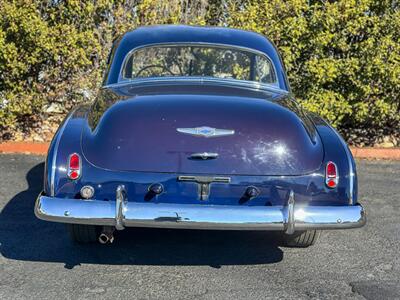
(134, 167)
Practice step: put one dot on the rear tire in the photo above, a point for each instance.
(301, 239)
(83, 234)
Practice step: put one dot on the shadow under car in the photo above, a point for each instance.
(24, 237)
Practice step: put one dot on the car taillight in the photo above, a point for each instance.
(74, 166)
(331, 175)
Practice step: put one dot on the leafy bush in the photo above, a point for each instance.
(342, 57)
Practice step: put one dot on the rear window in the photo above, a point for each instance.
(198, 61)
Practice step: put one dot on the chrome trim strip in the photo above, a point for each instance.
(204, 155)
(55, 151)
(197, 216)
(179, 80)
(351, 171)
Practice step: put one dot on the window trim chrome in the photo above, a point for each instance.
(121, 79)
(180, 80)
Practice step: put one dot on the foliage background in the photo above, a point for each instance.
(342, 57)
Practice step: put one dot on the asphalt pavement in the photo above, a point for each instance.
(37, 260)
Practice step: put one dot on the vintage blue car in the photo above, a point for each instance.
(196, 128)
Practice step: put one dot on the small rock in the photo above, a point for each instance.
(386, 145)
(37, 138)
(54, 108)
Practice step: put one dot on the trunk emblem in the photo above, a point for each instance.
(205, 131)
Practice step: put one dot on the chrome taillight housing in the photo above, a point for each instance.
(331, 175)
(74, 166)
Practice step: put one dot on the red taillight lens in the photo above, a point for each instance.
(74, 175)
(331, 170)
(331, 175)
(74, 162)
(74, 166)
(331, 183)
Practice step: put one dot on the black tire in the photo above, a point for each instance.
(83, 234)
(301, 239)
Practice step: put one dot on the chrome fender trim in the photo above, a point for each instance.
(349, 161)
(55, 151)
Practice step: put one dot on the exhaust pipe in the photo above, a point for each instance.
(107, 235)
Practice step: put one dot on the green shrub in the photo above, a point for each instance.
(342, 57)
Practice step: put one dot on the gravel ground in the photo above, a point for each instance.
(38, 261)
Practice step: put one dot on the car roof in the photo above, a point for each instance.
(164, 34)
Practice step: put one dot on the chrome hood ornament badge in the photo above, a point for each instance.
(205, 131)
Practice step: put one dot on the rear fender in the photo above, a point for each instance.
(336, 150)
(65, 141)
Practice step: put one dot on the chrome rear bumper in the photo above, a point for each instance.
(121, 213)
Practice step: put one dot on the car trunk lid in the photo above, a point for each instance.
(203, 134)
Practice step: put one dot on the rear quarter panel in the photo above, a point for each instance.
(65, 141)
(336, 150)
